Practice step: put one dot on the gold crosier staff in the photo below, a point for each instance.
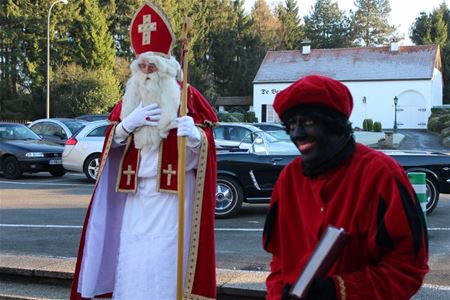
(182, 161)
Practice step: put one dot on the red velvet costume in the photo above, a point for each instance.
(200, 278)
(370, 196)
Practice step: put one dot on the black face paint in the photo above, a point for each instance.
(319, 141)
(310, 136)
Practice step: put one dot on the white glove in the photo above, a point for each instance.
(186, 127)
(142, 116)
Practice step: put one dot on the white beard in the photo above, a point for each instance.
(160, 87)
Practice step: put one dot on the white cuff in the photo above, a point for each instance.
(120, 135)
(194, 142)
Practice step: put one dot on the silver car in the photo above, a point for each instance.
(82, 151)
(57, 130)
(234, 135)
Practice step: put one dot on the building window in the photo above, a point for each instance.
(263, 113)
(271, 115)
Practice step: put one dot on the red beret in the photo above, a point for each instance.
(315, 90)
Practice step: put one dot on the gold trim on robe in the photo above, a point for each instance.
(196, 218)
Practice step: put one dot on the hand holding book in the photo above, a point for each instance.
(321, 260)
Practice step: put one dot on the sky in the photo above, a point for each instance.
(403, 12)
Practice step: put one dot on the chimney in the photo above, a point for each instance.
(395, 46)
(306, 47)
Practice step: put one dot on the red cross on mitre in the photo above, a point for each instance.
(150, 31)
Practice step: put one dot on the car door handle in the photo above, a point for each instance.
(275, 159)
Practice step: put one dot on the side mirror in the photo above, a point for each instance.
(259, 140)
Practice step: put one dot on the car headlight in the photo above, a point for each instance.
(34, 154)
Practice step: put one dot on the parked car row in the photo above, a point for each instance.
(38, 147)
(248, 174)
(250, 157)
(235, 135)
(22, 150)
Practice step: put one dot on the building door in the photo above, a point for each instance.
(412, 112)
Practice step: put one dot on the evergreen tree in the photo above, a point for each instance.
(10, 26)
(445, 57)
(95, 44)
(433, 28)
(23, 51)
(119, 14)
(327, 26)
(371, 22)
(420, 31)
(290, 25)
(247, 63)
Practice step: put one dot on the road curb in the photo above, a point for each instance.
(57, 271)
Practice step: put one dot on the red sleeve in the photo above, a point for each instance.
(199, 108)
(114, 116)
(397, 238)
(274, 282)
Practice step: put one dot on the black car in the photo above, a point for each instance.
(436, 166)
(249, 175)
(22, 150)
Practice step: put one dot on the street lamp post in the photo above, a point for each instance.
(47, 114)
(395, 114)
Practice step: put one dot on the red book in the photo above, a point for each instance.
(324, 255)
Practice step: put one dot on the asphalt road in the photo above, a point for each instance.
(417, 139)
(42, 215)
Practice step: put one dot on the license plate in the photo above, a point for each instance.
(55, 162)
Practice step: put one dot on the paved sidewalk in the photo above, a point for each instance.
(231, 284)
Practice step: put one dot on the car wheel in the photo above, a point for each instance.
(229, 197)
(91, 166)
(11, 168)
(58, 172)
(432, 194)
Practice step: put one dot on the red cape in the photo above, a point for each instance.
(201, 273)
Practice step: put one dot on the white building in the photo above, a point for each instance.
(374, 76)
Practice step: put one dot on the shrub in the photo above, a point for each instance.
(225, 116)
(238, 116)
(250, 117)
(439, 122)
(377, 126)
(446, 132)
(77, 91)
(433, 123)
(440, 110)
(367, 124)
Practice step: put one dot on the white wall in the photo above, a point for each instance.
(413, 108)
(436, 89)
(264, 93)
(414, 105)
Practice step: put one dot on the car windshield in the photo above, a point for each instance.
(17, 132)
(280, 135)
(74, 125)
(265, 144)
